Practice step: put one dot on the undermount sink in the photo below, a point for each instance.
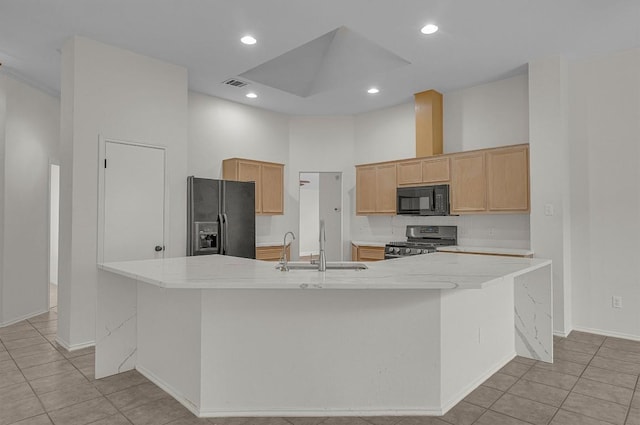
(330, 266)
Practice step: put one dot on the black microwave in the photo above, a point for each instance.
(423, 200)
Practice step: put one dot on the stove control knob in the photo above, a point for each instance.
(419, 251)
(408, 250)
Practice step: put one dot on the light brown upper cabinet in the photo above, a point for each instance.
(468, 183)
(269, 179)
(376, 189)
(481, 182)
(508, 179)
(492, 180)
(435, 170)
(423, 171)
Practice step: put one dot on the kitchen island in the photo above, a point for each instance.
(231, 336)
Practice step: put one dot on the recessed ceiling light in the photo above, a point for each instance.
(247, 39)
(251, 95)
(429, 29)
(373, 90)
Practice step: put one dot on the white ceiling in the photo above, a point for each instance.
(478, 41)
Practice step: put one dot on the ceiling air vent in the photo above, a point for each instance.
(235, 83)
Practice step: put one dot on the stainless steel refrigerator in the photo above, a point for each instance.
(221, 217)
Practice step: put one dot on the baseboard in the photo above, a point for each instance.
(21, 318)
(607, 333)
(73, 347)
(561, 334)
(475, 384)
(190, 406)
(217, 413)
(212, 413)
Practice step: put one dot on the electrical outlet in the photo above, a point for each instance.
(548, 209)
(616, 301)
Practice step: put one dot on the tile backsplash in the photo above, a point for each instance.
(500, 231)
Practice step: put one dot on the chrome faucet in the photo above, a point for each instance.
(283, 261)
(322, 261)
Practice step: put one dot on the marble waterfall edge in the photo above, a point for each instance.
(533, 307)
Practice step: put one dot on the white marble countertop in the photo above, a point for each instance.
(369, 243)
(432, 271)
(487, 250)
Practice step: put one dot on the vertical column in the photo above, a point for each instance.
(549, 172)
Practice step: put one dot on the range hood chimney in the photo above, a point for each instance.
(428, 106)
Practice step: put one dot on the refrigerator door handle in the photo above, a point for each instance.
(226, 229)
(221, 236)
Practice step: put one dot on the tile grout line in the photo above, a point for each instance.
(577, 380)
(29, 384)
(628, 408)
(506, 392)
(84, 376)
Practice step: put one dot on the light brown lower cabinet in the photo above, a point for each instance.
(271, 253)
(366, 253)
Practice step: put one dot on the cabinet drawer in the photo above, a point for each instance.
(271, 253)
(369, 253)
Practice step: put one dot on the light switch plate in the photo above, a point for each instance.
(616, 302)
(548, 209)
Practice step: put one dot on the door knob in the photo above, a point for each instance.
(159, 248)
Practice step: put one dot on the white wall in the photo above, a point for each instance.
(54, 207)
(386, 134)
(111, 93)
(220, 129)
(604, 135)
(490, 115)
(31, 136)
(3, 119)
(487, 116)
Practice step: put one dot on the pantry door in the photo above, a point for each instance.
(134, 202)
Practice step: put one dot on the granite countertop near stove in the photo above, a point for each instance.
(487, 250)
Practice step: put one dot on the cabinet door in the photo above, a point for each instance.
(370, 253)
(409, 173)
(508, 179)
(435, 170)
(365, 190)
(468, 183)
(250, 172)
(272, 189)
(386, 188)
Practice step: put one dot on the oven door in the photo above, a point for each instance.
(415, 200)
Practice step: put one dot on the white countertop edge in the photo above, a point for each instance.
(486, 250)
(370, 243)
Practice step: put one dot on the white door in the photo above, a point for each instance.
(134, 190)
(330, 205)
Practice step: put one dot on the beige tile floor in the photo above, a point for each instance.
(594, 380)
